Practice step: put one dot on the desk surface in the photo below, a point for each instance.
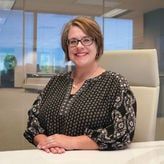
(137, 153)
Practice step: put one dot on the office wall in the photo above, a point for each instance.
(154, 34)
(154, 38)
(138, 32)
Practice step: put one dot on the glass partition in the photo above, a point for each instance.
(30, 50)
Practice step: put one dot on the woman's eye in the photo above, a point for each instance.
(73, 42)
(86, 40)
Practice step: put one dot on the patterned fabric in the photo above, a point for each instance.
(104, 109)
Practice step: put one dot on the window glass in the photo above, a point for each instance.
(118, 34)
(29, 47)
(11, 32)
(50, 57)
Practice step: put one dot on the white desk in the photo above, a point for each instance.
(138, 153)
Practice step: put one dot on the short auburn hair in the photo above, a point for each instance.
(90, 27)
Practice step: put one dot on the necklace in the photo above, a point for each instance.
(76, 85)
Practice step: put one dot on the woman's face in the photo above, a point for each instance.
(81, 55)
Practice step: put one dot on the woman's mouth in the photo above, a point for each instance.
(81, 54)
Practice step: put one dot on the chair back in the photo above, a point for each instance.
(140, 67)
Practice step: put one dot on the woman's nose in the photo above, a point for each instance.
(79, 44)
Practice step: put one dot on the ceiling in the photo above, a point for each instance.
(89, 7)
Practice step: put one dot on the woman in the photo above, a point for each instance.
(88, 108)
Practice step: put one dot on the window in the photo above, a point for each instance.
(118, 33)
(50, 57)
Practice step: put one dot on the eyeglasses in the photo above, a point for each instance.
(85, 41)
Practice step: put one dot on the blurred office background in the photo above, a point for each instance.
(30, 51)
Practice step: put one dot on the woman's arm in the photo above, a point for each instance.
(120, 132)
(33, 125)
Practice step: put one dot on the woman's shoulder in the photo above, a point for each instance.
(58, 76)
(61, 75)
(115, 75)
(117, 78)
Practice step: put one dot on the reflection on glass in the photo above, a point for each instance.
(10, 45)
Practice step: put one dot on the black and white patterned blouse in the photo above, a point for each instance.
(104, 109)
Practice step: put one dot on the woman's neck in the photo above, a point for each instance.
(81, 74)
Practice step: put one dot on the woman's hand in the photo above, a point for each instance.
(57, 143)
(41, 139)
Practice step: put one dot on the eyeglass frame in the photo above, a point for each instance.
(80, 40)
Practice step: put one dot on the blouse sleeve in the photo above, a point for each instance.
(33, 125)
(119, 133)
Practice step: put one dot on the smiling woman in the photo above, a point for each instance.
(87, 108)
(37, 48)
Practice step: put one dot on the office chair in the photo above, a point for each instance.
(140, 67)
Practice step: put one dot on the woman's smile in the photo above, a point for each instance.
(81, 54)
